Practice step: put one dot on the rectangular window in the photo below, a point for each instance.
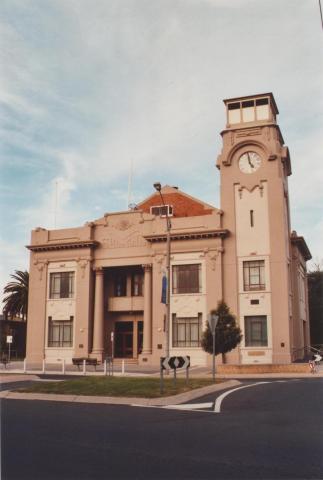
(162, 210)
(262, 108)
(262, 101)
(248, 111)
(234, 106)
(256, 331)
(61, 285)
(187, 331)
(60, 333)
(120, 285)
(187, 278)
(251, 218)
(137, 282)
(254, 275)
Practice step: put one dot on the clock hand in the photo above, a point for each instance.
(249, 161)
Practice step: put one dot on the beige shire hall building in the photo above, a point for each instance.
(95, 291)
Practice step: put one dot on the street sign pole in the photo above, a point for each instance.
(213, 365)
(9, 342)
(161, 379)
(213, 321)
(173, 363)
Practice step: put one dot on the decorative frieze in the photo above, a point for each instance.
(248, 132)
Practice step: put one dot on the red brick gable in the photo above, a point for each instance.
(183, 206)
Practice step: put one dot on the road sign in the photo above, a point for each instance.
(175, 362)
(213, 319)
(9, 338)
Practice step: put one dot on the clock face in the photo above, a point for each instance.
(249, 162)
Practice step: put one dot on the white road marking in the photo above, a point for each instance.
(197, 407)
(217, 405)
(190, 406)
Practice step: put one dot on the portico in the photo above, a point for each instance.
(122, 321)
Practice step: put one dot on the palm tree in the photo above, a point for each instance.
(16, 301)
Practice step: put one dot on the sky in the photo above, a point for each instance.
(91, 90)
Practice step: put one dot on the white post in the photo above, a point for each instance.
(105, 366)
(122, 367)
(84, 367)
(25, 365)
(63, 366)
(43, 369)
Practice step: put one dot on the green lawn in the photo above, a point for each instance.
(117, 387)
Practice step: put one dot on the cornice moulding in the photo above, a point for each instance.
(63, 246)
(188, 235)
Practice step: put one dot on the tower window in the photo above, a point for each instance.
(256, 331)
(251, 218)
(248, 103)
(262, 101)
(254, 275)
(234, 106)
(249, 111)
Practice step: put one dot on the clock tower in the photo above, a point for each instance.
(254, 167)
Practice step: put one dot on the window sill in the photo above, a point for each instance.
(59, 299)
(187, 294)
(60, 348)
(256, 347)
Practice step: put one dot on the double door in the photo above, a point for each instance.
(124, 340)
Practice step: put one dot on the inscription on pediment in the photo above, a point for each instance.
(123, 238)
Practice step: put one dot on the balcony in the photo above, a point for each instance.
(125, 304)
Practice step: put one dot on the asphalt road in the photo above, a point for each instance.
(268, 431)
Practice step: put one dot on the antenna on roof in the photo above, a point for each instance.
(55, 204)
(130, 184)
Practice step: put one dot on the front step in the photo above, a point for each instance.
(127, 361)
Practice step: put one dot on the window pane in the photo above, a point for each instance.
(64, 285)
(254, 275)
(120, 285)
(187, 278)
(256, 331)
(187, 331)
(61, 285)
(137, 284)
(60, 333)
(71, 285)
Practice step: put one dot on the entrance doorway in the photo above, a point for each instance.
(140, 336)
(123, 347)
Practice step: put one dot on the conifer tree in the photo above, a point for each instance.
(227, 333)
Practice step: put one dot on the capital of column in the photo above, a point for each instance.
(147, 267)
(98, 270)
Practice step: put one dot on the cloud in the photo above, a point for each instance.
(86, 90)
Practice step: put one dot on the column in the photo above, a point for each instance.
(147, 340)
(98, 327)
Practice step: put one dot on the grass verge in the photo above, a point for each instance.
(118, 387)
